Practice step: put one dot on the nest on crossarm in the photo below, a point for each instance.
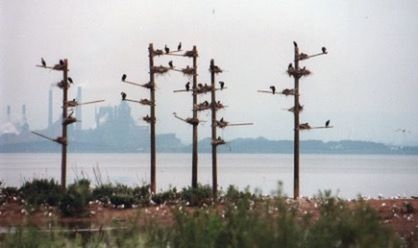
(157, 52)
(160, 69)
(298, 73)
(188, 71)
(288, 92)
(190, 54)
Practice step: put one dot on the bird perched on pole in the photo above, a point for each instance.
(166, 49)
(222, 84)
(61, 62)
(70, 80)
(327, 123)
(123, 96)
(179, 47)
(324, 50)
(123, 77)
(187, 86)
(295, 44)
(170, 63)
(273, 89)
(43, 62)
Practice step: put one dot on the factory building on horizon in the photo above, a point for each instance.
(116, 131)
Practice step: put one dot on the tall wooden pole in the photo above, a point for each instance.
(214, 145)
(153, 119)
(296, 138)
(195, 126)
(64, 126)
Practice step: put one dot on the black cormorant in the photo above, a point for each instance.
(179, 46)
(43, 62)
(327, 123)
(123, 96)
(222, 84)
(166, 49)
(123, 77)
(170, 63)
(188, 86)
(273, 89)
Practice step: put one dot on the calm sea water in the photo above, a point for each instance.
(347, 175)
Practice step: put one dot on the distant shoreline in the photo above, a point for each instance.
(236, 146)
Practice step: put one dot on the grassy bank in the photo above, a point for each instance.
(190, 218)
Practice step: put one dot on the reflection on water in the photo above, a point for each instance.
(347, 174)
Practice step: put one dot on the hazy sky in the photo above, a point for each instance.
(367, 84)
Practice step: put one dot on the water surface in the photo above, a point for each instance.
(349, 175)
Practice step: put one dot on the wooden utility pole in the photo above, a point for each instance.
(214, 135)
(216, 141)
(297, 72)
(195, 125)
(64, 141)
(296, 128)
(153, 119)
(66, 119)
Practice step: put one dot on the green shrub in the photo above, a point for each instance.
(41, 191)
(342, 226)
(119, 199)
(142, 194)
(75, 200)
(197, 196)
(234, 195)
(103, 192)
(10, 192)
(169, 196)
(117, 195)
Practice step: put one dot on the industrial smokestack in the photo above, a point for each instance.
(78, 110)
(50, 108)
(24, 119)
(8, 112)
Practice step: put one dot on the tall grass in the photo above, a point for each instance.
(236, 219)
(275, 223)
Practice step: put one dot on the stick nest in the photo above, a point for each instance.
(188, 71)
(157, 52)
(192, 121)
(215, 69)
(160, 69)
(288, 92)
(203, 106)
(303, 56)
(304, 126)
(298, 73)
(201, 89)
(145, 102)
(190, 54)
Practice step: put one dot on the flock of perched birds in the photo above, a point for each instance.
(60, 65)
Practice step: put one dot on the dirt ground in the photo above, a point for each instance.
(401, 214)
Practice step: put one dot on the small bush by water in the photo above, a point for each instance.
(41, 191)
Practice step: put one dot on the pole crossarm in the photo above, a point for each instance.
(58, 140)
(56, 67)
(286, 92)
(74, 103)
(145, 85)
(191, 121)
